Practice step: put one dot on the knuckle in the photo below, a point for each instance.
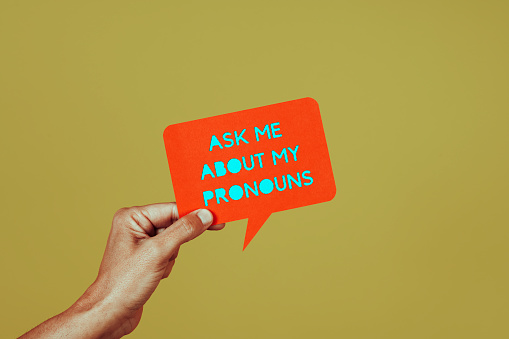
(119, 215)
(133, 217)
(175, 256)
(139, 218)
(187, 226)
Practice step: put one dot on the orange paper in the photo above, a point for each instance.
(251, 163)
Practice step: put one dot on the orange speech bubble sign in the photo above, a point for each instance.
(251, 163)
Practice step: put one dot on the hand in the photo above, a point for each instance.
(141, 250)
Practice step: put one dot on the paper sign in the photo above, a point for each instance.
(251, 163)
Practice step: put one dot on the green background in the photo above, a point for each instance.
(414, 100)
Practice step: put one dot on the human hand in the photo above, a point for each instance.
(143, 244)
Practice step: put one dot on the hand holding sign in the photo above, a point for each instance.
(251, 163)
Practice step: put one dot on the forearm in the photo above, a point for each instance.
(87, 318)
(142, 247)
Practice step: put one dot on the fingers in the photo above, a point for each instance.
(186, 228)
(161, 215)
(168, 269)
(147, 219)
(170, 264)
(216, 227)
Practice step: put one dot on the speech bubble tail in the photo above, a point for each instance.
(253, 226)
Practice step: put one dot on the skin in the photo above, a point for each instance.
(143, 244)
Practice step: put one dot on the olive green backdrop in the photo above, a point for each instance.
(414, 99)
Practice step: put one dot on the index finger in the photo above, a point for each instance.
(161, 215)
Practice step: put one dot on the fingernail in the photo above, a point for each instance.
(205, 217)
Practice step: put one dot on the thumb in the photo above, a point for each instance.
(186, 228)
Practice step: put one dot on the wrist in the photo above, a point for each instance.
(89, 317)
(94, 316)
